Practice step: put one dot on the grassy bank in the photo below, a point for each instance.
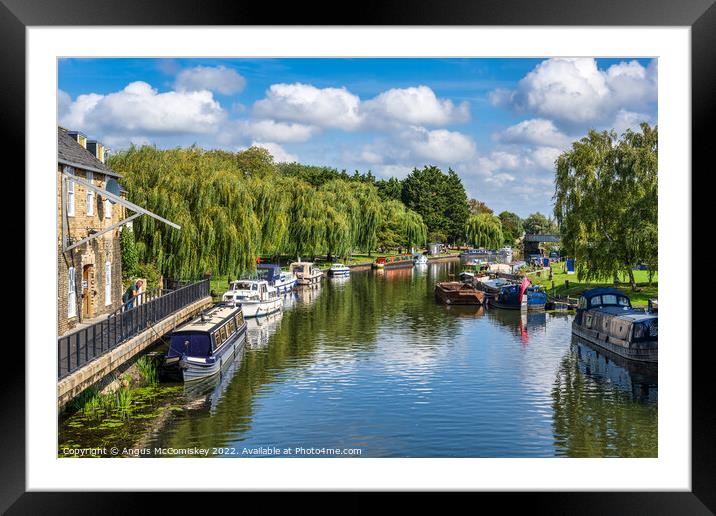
(639, 298)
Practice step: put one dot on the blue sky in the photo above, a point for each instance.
(499, 123)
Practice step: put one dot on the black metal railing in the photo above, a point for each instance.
(84, 345)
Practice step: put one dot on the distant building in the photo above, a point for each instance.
(89, 276)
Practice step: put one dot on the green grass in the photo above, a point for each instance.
(639, 298)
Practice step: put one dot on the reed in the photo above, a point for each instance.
(148, 371)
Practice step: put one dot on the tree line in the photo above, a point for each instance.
(234, 207)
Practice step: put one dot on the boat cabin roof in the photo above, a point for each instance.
(213, 319)
(337, 265)
(268, 267)
(603, 296)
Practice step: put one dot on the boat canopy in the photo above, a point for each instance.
(603, 296)
(269, 271)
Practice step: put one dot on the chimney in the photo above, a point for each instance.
(79, 137)
(97, 149)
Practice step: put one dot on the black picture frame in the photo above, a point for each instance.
(700, 15)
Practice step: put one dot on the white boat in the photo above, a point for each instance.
(338, 269)
(306, 273)
(283, 281)
(256, 297)
(420, 259)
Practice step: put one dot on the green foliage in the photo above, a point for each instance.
(512, 227)
(148, 371)
(477, 207)
(538, 224)
(484, 230)
(149, 272)
(440, 199)
(130, 258)
(234, 207)
(606, 202)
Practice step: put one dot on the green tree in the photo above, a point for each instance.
(130, 258)
(606, 202)
(512, 227)
(484, 230)
(477, 207)
(538, 224)
(439, 198)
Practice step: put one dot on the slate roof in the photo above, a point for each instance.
(541, 238)
(69, 152)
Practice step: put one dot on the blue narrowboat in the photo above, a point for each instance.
(520, 297)
(202, 346)
(606, 318)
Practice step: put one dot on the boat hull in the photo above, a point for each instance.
(455, 293)
(339, 272)
(189, 369)
(283, 288)
(261, 308)
(643, 351)
(309, 280)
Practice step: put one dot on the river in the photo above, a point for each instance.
(372, 366)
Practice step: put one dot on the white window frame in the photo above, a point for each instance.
(90, 194)
(71, 293)
(107, 283)
(107, 208)
(70, 192)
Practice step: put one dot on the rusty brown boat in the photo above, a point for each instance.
(457, 293)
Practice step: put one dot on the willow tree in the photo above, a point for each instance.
(606, 201)
(307, 221)
(371, 213)
(202, 192)
(484, 230)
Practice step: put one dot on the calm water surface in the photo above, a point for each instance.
(373, 362)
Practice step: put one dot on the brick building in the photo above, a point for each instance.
(89, 275)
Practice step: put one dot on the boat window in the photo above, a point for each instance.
(242, 285)
(239, 318)
(582, 302)
(193, 344)
(623, 301)
(231, 326)
(596, 301)
(609, 299)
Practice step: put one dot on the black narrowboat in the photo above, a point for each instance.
(606, 318)
(202, 346)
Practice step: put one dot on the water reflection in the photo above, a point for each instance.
(374, 362)
(604, 406)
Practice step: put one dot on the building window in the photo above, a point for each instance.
(71, 295)
(90, 195)
(108, 283)
(70, 193)
(107, 209)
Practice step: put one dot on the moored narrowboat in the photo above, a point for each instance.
(403, 260)
(202, 346)
(457, 293)
(605, 317)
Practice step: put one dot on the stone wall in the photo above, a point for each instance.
(91, 256)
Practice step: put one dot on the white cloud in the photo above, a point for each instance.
(575, 91)
(279, 154)
(544, 157)
(440, 145)
(306, 104)
(629, 120)
(536, 131)
(270, 130)
(388, 171)
(140, 109)
(414, 106)
(218, 79)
